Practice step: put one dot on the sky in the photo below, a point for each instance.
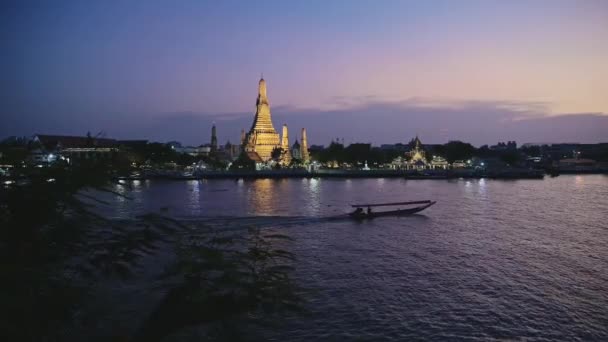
(358, 70)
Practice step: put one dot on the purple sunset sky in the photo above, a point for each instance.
(364, 71)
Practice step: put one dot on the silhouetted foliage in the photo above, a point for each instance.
(485, 152)
(13, 155)
(335, 151)
(158, 153)
(50, 241)
(243, 162)
(428, 156)
(276, 153)
(215, 161)
(223, 276)
(510, 157)
(458, 150)
(532, 151)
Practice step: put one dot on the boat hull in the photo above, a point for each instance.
(398, 212)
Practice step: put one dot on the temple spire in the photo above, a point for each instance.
(285, 153)
(285, 138)
(213, 138)
(304, 147)
(262, 137)
(262, 97)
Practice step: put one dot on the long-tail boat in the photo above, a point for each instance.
(360, 213)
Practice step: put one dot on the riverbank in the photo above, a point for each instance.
(277, 174)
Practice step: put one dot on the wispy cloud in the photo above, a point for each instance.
(373, 120)
(365, 119)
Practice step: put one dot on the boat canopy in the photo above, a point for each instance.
(388, 204)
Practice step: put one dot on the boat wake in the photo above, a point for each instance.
(245, 222)
(235, 223)
(231, 222)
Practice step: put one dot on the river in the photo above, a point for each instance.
(521, 259)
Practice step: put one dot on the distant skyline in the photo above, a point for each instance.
(379, 72)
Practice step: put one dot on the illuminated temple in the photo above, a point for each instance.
(262, 137)
(416, 159)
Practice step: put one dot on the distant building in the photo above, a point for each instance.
(577, 165)
(501, 146)
(132, 143)
(232, 151)
(201, 166)
(460, 164)
(72, 148)
(316, 148)
(556, 152)
(203, 150)
(200, 151)
(439, 163)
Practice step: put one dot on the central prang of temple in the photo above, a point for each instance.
(262, 138)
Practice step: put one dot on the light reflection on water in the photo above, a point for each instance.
(195, 196)
(261, 194)
(319, 197)
(522, 259)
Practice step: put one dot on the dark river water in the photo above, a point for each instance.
(524, 259)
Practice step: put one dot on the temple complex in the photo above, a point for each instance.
(262, 137)
(416, 159)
